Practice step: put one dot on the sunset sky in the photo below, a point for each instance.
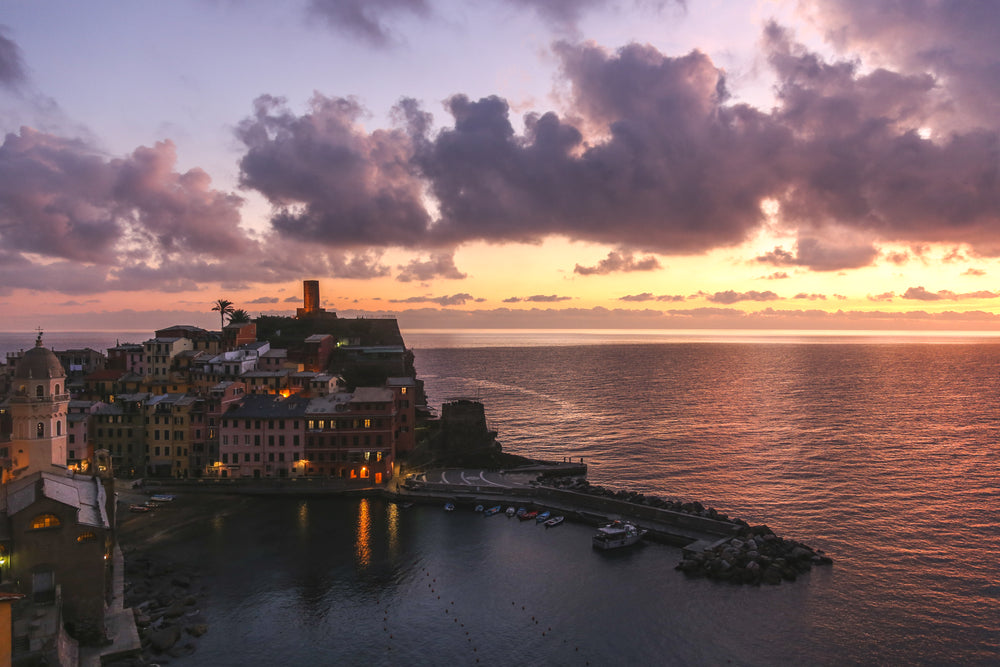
(532, 163)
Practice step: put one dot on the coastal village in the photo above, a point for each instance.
(312, 397)
(303, 405)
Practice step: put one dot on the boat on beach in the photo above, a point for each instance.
(449, 507)
(479, 508)
(491, 511)
(162, 498)
(139, 509)
(528, 516)
(616, 535)
(543, 517)
(554, 521)
(510, 511)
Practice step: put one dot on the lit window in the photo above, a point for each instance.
(45, 521)
(86, 537)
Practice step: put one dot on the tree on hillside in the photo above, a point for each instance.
(224, 307)
(239, 316)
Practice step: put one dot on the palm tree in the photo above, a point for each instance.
(225, 307)
(239, 316)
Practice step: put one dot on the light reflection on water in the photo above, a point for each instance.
(362, 545)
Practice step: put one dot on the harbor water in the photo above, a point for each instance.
(882, 451)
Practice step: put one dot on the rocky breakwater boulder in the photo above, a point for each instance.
(166, 598)
(755, 556)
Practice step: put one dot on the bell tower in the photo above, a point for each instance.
(38, 409)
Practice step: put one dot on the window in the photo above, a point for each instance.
(225, 457)
(58, 428)
(45, 521)
(83, 538)
(40, 430)
(39, 391)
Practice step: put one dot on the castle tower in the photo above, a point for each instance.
(38, 410)
(310, 301)
(310, 296)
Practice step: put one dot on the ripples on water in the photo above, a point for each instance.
(885, 455)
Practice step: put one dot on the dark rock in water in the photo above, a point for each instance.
(197, 630)
(163, 639)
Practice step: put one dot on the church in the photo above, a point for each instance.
(56, 526)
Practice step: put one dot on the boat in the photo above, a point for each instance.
(162, 498)
(479, 508)
(491, 511)
(616, 535)
(520, 512)
(543, 517)
(449, 507)
(510, 511)
(528, 516)
(139, 508)
(554, 521)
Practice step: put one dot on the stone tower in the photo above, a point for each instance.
(38, 410)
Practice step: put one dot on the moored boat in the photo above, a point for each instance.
(554, 521)
(510, 511)
(528, 516)
(520, 512)
(162, 498)
(139, 509)
(543, 517)
(479, 508)
(616, 535)
(449, 507)
(491, 511)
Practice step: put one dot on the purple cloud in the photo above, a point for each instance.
(330, 181)
(440, 265)
(731, 296)
(368, 20)
(450, 300)
(12, 73)
(619, 262)
(922, 294)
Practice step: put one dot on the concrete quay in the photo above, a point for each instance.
(474, 487)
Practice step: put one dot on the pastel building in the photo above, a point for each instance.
(263, 437)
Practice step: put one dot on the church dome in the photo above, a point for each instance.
(38, 363)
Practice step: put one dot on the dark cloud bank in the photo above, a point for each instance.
(653, 157)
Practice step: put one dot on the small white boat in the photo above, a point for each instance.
(543, 517)
(449, 507)
(479, 508)
(510, 511)
(616, 535)
(554, 521)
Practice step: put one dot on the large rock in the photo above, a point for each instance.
(163, 639)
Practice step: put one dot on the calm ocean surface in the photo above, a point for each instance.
(883, 451)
